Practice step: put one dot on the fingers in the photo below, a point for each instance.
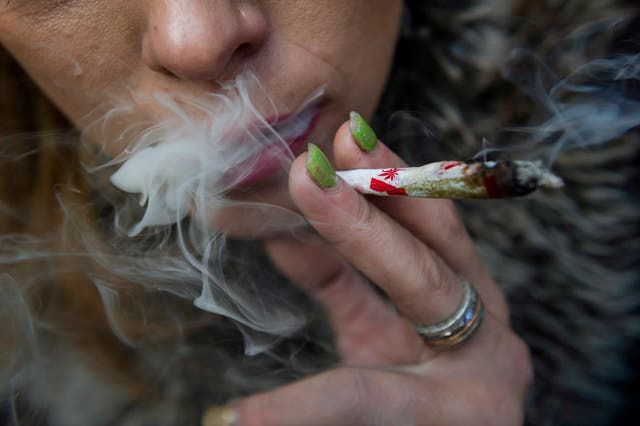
(433, 221)
(417, 280)
(341, 397)
(368, 331)
(470, 386)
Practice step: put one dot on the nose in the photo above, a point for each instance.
(201, 39)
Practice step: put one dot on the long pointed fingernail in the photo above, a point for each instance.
(222, 415)
(362, 132)
(319, 168)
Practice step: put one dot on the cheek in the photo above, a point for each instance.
(370, 68)
(80, 61)
(76, 60)
(357, 37)
(65, 80)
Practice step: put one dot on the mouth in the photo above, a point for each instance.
(287, 135)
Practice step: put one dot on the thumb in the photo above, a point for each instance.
(341, 396)
(368, 330)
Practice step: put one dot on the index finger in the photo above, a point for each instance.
(417, 280)
(345, 396)
(434, 221)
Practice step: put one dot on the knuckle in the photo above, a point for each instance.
(363, 215)
(496, 405)
(362, 389)
(361, 224)
(419, 274)
(517, 357)
(439, 283)
(427, 280)
(452, 227)
(522, 362)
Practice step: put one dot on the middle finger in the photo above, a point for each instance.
(433, 221)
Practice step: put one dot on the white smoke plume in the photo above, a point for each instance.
(181, 170)
(583, 101)
(169, 179)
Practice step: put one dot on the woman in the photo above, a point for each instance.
(201, 107)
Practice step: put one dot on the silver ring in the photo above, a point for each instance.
(459, 326)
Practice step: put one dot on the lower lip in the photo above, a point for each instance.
(270, 161)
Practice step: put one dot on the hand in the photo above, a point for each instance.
(414, 250)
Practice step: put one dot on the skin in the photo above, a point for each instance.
(83, 52)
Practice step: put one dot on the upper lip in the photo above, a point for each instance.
(291, 126)
(281, 136)
(297, 124)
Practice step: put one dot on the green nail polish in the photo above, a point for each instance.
(362, 132)
(222, 415)
(319, 168)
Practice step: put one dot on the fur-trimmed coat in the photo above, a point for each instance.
(568, 260)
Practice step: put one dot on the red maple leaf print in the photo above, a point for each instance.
(389, 174)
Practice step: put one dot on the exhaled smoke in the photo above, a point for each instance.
(173, 176)
(203, 147)
(181, 170)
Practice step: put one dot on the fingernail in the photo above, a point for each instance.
(362, 132)
(319, 168)
(221, 415)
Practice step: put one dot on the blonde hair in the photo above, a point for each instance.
(79, 296)
(45, 290)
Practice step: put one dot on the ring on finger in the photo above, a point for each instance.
(458, 327)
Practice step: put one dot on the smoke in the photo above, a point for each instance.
(168, 184)
(19, 328)
(203, 147)
(181, 170)
(584, 102)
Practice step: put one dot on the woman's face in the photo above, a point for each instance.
(85, 53)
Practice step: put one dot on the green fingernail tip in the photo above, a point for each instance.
(319, 168)
(362, 132)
